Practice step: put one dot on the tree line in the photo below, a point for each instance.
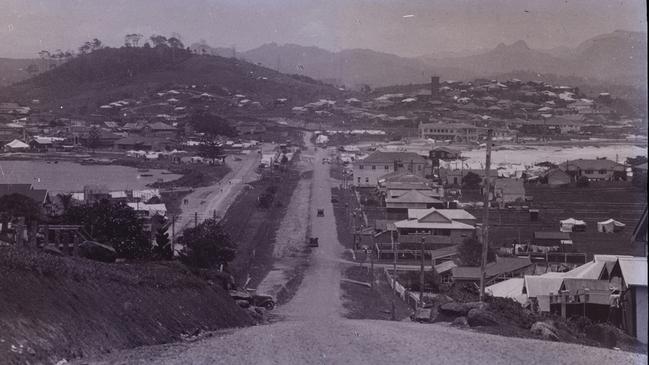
(53, 58)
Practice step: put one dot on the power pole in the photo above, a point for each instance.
(372, 263)
(421, 275)
(485, 216)
(394, 275)
(173, 235)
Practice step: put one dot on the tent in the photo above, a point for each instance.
(609, 226)
(572, 225)
(16, 145)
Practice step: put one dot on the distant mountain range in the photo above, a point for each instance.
(615, 58)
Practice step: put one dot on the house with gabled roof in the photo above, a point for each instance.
(159, 129)
(368, 171)
(632, 272)
(597, 169)
(402, 200)
(437, 227)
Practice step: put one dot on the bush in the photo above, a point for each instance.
(206, 246)
(582, 182)
(411, 280)
(470, 252)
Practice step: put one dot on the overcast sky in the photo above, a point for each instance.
(406, 28)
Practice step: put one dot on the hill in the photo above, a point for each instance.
(619, 57)
(352, 67)
(504, 58)
(109, 74)
(57, 308)
(614, 58)
(14, 70)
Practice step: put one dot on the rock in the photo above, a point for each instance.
(454, 309)
(422, 315)
(460, 322)
(545, 330)
(481, 317)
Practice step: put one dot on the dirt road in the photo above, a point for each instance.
(215, 199)
(314, 332)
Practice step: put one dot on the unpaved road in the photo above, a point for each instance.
(313, 330)
(216, 198)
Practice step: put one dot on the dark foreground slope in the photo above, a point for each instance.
(54, 308)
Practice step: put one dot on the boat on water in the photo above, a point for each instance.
(146, 175)
(142, 170)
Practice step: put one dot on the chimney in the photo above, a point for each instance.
(434, 87)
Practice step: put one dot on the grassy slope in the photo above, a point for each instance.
(65, 307)
(111, 74)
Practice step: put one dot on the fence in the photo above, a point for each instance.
(408, 297)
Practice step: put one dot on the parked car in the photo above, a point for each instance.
(320, 212)
(334, 200)
(244, 299)
(313, 242)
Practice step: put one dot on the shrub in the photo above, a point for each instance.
(206, 246)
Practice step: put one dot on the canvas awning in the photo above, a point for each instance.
(567, 225)
(17, 144)
(609, 225)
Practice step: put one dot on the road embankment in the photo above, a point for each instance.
(54, 308)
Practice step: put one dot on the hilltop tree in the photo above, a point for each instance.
(159, 41)
(132, 40)
(175, 43)
(85, 48)
(206, 246)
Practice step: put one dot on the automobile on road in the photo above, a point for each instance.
(244, 299)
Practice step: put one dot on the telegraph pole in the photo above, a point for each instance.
(173, 235)
(421, 275)
(372, 262)
(394, 275)
(485, 216)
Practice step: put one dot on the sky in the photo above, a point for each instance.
(402, 27)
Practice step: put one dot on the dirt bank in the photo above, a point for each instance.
(54, 308)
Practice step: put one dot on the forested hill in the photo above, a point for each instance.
(112, 73)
